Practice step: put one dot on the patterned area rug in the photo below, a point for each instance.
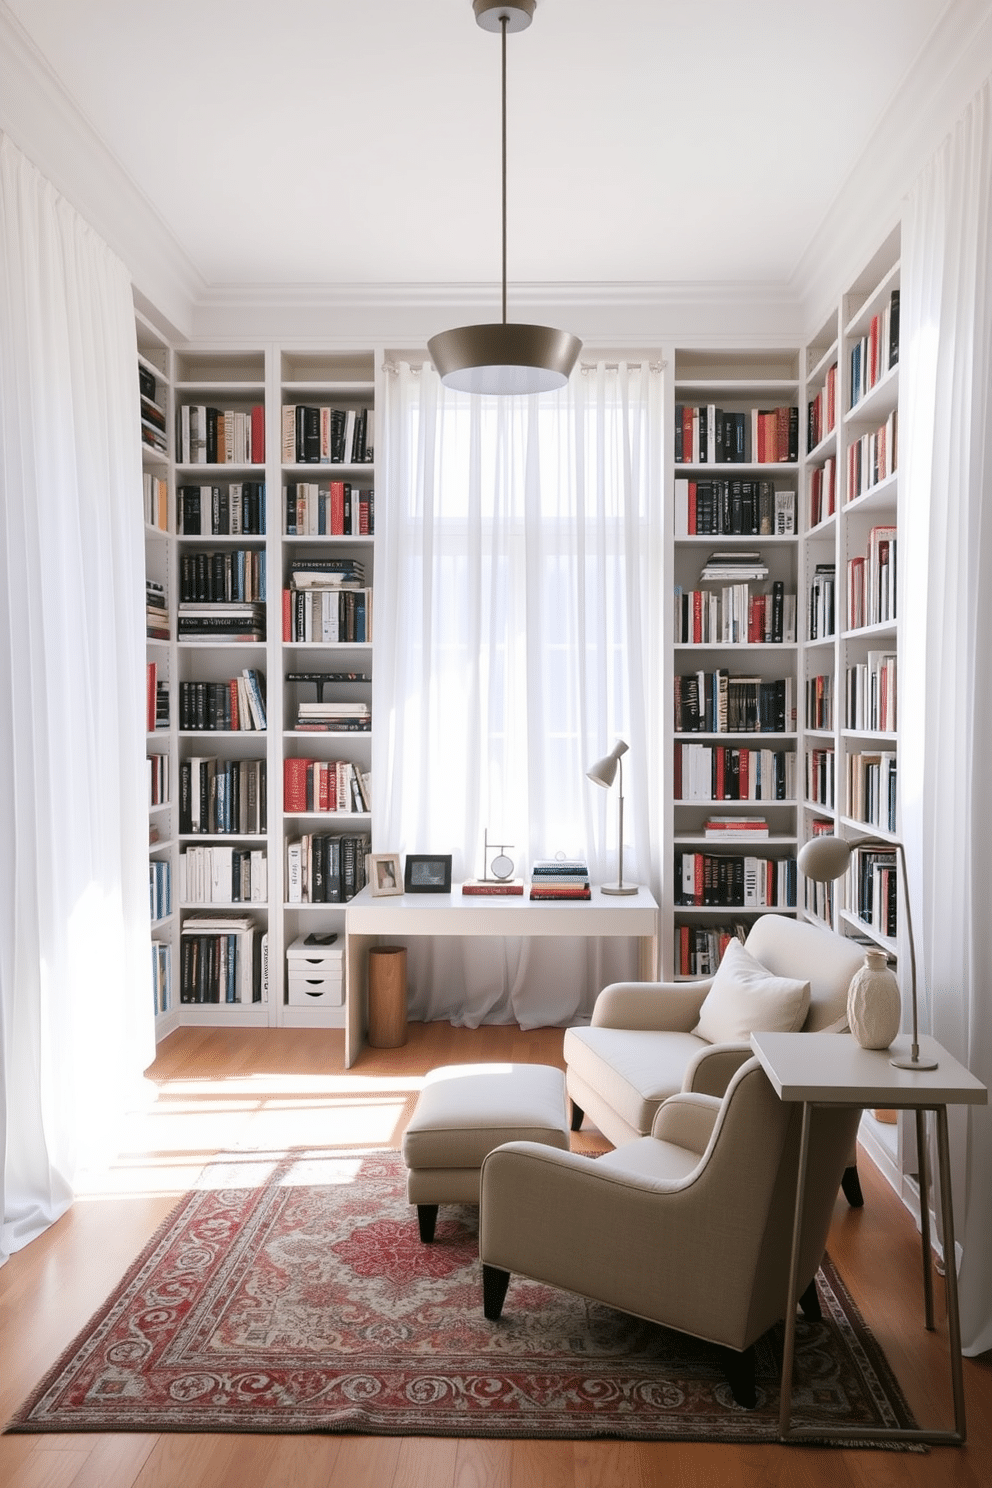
(293, 1294)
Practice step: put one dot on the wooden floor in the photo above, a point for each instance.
(272, 1088)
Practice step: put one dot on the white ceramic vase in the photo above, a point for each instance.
(874, 1003)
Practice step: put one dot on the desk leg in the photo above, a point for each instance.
(792, 1295)
(950, 1270)
(356, 995)
(647, 958)
(924, 1171)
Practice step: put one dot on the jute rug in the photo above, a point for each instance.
(293, 1294)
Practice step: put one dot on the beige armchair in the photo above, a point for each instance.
(689, 1227)
(645, 1041)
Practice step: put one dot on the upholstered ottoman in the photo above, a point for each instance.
(463, 1112)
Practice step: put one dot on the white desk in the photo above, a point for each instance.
(836, 1071)
(369, 921)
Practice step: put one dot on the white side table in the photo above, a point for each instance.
(837, 1071)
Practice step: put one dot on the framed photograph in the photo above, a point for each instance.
(429, 874)
(384, 874)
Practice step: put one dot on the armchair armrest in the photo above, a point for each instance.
(713, 1068)
(663, 1006)
(687, 1120)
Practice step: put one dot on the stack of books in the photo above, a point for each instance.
(560, 878)
(333, 717)
(156, 611)
(735, 828)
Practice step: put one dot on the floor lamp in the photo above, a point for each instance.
(828, 857)
(603, 773)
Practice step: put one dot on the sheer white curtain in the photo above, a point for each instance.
(76, 1022)
(518, 635)
(946, 516)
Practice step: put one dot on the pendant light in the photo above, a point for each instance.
(504, 357)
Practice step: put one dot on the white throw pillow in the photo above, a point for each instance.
(745, 998)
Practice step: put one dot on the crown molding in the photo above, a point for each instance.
(46, 125)
(952, 65)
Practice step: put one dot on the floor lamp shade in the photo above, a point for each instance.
(604, 772)
(827, 857)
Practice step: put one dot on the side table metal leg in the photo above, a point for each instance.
(950, 1270)
(922, 1159)
(792, 1296)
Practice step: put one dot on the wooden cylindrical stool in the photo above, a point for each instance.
(387, 997)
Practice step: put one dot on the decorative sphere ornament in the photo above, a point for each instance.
(874, 1003)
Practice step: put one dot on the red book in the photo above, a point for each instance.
(697, 616)
(294, 784)
(287, 615)
(677, 781)
(692, 508)
(337, 509)
(258, 434)
(721, 772)
(151, 676)
(688, 452)
(233, 687)
(743, 780)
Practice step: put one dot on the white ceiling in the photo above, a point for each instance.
(288, 142)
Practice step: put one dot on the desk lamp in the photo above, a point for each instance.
(603, 773)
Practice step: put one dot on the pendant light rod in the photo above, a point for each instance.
(502, 32)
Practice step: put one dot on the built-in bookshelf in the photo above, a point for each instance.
(259, 499)
(850, 717)
(732, 814)
(155, 393)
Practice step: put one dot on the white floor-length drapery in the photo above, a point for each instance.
(518, 635)
(75, 1005)
(945, 531)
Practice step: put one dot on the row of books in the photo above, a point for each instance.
(871, 581)
(223, 874)
(821, 782)
(222, 959)
(157, 775)
(732, 615)
(871, 789)
(156, 611)
(221, 436)
(235, 705)
(161, 977)
(820, 701)
(707, 435)
(153, 428)
(877, 351)
(871, 693)
(159, 889)
(216, 623)
(217, 511)
(874, 888)
(320, 435)
(699, 948)
(332, 616)
(749, 508)
(325, 868)
(338, 509)
(821, 411)
(220, 797)
(873, 457)
(155, 500)
(822, 491)
(230, 575)
(821, 614)
(718, 703)
(718, 772)
(325, 785)
(734, 880)
(156, 699)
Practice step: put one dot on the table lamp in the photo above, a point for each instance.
(603, 773)
(828, 857)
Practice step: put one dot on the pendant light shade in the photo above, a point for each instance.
(504, 358)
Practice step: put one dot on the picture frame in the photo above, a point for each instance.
(385, 874)
(428, 873)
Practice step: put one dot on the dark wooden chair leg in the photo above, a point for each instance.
(851, 1185)
(810, 1303)
(577, 1115)
(740, 1376)
(427, 1219)
(494, 1285)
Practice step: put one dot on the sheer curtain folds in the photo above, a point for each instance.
(946, 494)
(518, 579)
(76, 1020)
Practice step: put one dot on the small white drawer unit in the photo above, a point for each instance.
(316, 975)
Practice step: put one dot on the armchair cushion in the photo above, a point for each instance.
(746, 998)
(633, 1070)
